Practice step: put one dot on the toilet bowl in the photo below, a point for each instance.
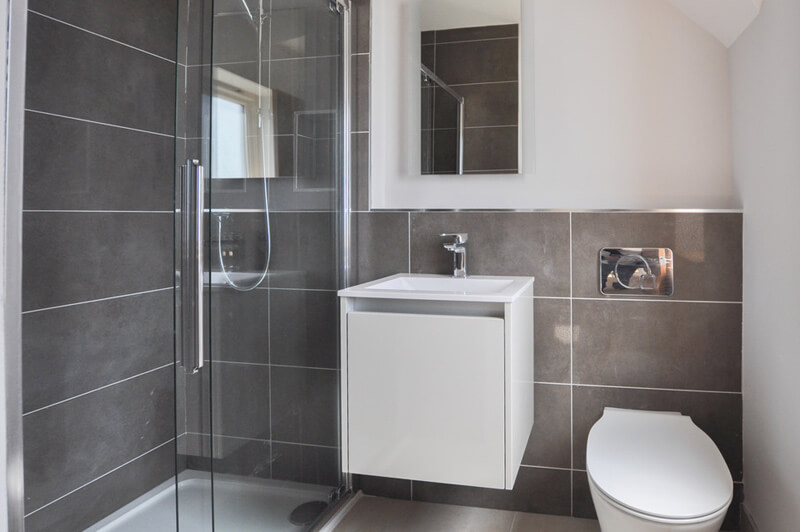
(656, 471)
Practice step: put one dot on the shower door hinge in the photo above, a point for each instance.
(339, 6)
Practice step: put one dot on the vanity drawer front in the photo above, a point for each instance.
(426, 397)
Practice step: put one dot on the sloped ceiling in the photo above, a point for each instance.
(724, 19)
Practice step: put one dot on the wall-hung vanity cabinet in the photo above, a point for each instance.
(437, 378)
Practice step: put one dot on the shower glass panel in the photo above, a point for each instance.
(442, 126)
(259, 121)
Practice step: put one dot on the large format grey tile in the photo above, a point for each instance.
(392, 515)
(361, 97)
(104, 496)
(550, 444)
(304, 406)
(707, 249)
(146, 24)
(478, 61)
(298, 88)
(71, 164)
(489, 149)
(73, 257)
(553, 340)
(361, 25)
(240, 398)
(499, 244)
(695, 346)
(536, 490)
(381, 243)
(304, 250)
(493, 104)
(236, 38)
(553, 523)
(718, 414)
(306, 463)
(240, 322)
(69, 444)
(74, 73)
(246, 458)
(304, 326)
(308, 31)
(360, 167)
(76, 349)
(478, 33)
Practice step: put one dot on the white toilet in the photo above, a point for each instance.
(656, 471)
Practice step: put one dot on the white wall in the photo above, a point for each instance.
(765, 84)
(625, 105)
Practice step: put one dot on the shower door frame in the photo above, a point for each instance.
(342, 243)
(13, 14)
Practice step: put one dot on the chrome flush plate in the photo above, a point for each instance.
(636, 272)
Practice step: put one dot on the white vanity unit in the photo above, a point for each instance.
(437, 378)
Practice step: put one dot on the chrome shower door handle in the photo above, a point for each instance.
(191, 261)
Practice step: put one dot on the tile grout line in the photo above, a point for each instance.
(90, 211)
(409, 242)
(107, 124)
(624, 387)
(89, 301)
(100, 35)
(257, 364)
(99, 389)
(207, 435)
(101, 476)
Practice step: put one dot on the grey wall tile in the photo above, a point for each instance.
(707, 249)
(72, 443)
(240, 396)
(72, 257)
(534, 244)
(381, 243)
(146, 24)
(102, 497)
(478, 61)
(245, 458)
(536, 490)
(297, 88)
(550, 441)
(360, 168)
(360, 104)
(306, 464)
(493, 104)
(304, 406)
(236, 38)
(478, 33)
(582, 504)
(305, 32)
(304, 250)
(361, 25)
(695, 346)
(393, 488)
(304, 327)
(718, 414)
(491, 148)
(240, 322)
(552, 338)
(70, 164)
(76, 349)
(74, 73)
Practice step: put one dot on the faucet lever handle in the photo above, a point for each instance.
(460, 238)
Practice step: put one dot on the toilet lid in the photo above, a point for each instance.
(657, 463)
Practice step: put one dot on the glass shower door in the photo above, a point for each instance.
(258, 211)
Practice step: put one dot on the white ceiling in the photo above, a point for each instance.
(724, 19)
(447, 14)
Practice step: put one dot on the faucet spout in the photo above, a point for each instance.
(459, 253)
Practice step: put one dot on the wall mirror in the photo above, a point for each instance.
(469, 90)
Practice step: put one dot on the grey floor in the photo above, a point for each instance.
(376, 514)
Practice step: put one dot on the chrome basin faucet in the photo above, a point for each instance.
(459, 253)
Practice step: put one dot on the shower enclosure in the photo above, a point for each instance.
(259, 219)
(442, 133)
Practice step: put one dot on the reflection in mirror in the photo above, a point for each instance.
(470, 87)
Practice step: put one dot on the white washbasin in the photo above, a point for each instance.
(442, 288)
